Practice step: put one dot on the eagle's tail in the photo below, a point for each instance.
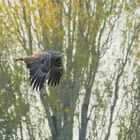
(19, 59)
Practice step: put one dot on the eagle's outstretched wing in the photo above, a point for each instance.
(42, 67)
(54, 76)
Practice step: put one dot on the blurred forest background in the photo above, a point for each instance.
(99, 95)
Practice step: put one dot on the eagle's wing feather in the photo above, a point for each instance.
(39, 67)
(54, 76)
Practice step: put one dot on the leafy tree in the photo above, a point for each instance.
(99, 91)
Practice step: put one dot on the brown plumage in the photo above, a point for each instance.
(44, 66)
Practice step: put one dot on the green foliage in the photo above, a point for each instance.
(100, 83)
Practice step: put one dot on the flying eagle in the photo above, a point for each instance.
(44, 66)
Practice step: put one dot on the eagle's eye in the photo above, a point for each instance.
(58, 61)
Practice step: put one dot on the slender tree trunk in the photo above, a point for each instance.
(84, 119)
(21, 133)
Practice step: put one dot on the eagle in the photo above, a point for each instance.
(44, 66)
